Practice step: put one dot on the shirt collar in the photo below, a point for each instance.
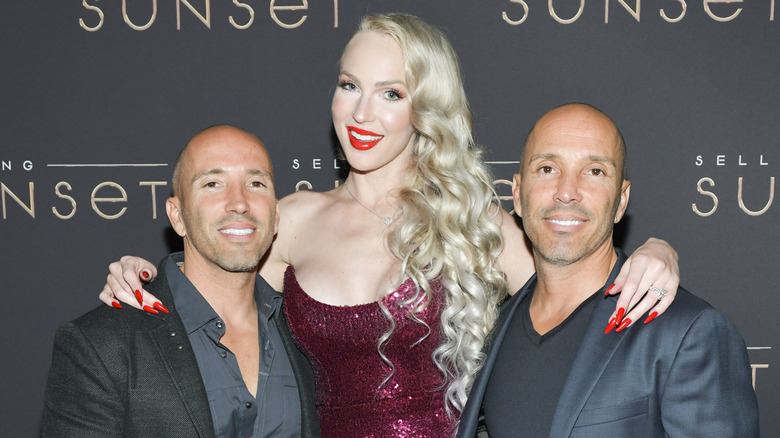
(195, 311)
(268, 300)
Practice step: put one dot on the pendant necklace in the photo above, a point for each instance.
(385, 220)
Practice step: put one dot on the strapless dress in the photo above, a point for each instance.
(352, 397)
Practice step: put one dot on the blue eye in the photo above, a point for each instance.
(393, 95)
(347, 86)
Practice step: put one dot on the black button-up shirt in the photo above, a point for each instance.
(235, 412)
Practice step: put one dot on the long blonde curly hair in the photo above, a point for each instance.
(446, 230)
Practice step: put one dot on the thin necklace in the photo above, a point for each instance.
(386, 220)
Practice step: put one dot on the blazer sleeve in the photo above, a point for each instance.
(81, 399)
(709, 390)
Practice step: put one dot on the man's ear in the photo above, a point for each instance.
(625, 192)
(173, 208)
(516, 195)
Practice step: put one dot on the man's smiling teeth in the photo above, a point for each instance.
(237, 231)
(362, 137)
(567, 223)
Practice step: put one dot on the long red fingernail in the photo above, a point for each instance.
(651, 317)
(623, 325)
(611, 325)
(144, 274)
(116, 304)
(150, 310)
(608, 289)
(139, 296)
(158, 305)
(621, 312)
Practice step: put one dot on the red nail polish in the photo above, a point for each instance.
(623, 325)
(608, 289)
(621, 312)
(139, 296)
(151, 310)
(144, 274)
(116, 304)
(158, 305)
(611, 325)
(651, 317)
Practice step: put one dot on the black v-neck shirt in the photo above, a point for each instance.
(530, 371)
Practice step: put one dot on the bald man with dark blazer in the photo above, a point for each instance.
(685, 375)
(221, 361)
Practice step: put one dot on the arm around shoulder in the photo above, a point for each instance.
(516, 260)
(275, 261)
(294, 212)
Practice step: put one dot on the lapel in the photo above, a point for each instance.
(595, 352)
(179, 359)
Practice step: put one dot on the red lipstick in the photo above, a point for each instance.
(366, 141)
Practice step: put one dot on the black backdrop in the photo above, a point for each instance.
(95, 107)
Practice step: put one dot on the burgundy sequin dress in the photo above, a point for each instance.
(341, 342)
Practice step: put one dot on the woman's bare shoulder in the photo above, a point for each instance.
(298, 213)
(303, 204)
(304, 198)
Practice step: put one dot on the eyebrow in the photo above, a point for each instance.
(220, 171)
(594, 158)
(378, 84)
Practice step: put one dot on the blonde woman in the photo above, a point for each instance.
(392, 281)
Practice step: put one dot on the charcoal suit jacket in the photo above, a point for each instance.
(127, 373)
(686, 374)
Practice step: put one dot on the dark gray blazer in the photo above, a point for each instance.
(133, 374)
(686, 374)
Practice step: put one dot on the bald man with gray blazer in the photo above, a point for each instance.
(552, 370)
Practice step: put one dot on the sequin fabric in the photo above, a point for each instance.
(341, 343)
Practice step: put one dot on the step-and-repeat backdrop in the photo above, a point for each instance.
(98, 96)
